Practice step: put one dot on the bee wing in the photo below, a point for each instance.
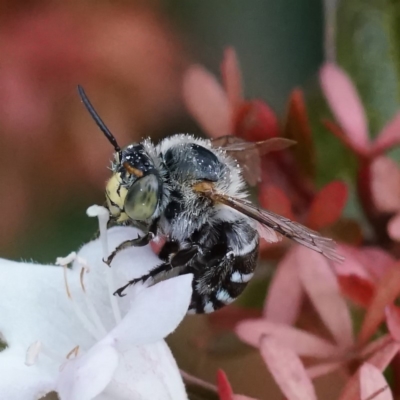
(292, 230)
(232, 143)
(248, 154)
(268, 234)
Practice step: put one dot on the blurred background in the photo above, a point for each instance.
(130, 56)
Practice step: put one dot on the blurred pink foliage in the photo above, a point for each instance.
(341, 351)
(352, 126)
(222, 110)
(369, 279)
(129, 60)
(225, 391)
(378, 176)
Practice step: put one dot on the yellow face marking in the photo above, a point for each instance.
(115, 195)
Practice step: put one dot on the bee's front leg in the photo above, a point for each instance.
(138, 242)
(176, 260)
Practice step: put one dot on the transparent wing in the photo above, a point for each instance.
(248, 154)
(268, 234)
(234, 144)
(292, 230)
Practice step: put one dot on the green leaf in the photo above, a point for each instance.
(367, 38)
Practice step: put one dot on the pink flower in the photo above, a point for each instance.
(222, 110)
(281, 345)
(352, 128)
(379, 177)
(385, 190)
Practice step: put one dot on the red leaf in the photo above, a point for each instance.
(274, 199)
(328, 205)
(287, 370)
(357, 289)
(285, 294)
(225, 391)
(393, 321)
(298, 128)
(255, 121)
(386, 292)
(232, 78)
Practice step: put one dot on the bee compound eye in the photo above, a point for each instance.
(142, 198)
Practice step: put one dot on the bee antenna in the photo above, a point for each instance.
(98, 120)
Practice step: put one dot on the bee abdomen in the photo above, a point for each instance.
(221, 284)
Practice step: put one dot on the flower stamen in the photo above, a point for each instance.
(89, 304)
(93, 330)
(64, 261)
(74, 352)
(66, 282)
(83, 270)
(32, 353)
(36, 348)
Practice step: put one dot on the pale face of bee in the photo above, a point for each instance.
(133, 192)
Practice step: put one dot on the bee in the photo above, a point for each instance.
(192, 192)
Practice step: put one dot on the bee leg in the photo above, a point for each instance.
(177, 260)
(164, 267)
(138, 242)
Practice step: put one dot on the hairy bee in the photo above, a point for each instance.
(192, 192)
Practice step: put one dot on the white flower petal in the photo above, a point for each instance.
(20, 382)
(34, 306)
(103, 396)
(34, 303)
(155, 312)
(128, 264)
(146, 372)
(87, 376)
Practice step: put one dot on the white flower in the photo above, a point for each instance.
(80, 346)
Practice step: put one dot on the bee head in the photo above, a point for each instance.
(134, 190)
